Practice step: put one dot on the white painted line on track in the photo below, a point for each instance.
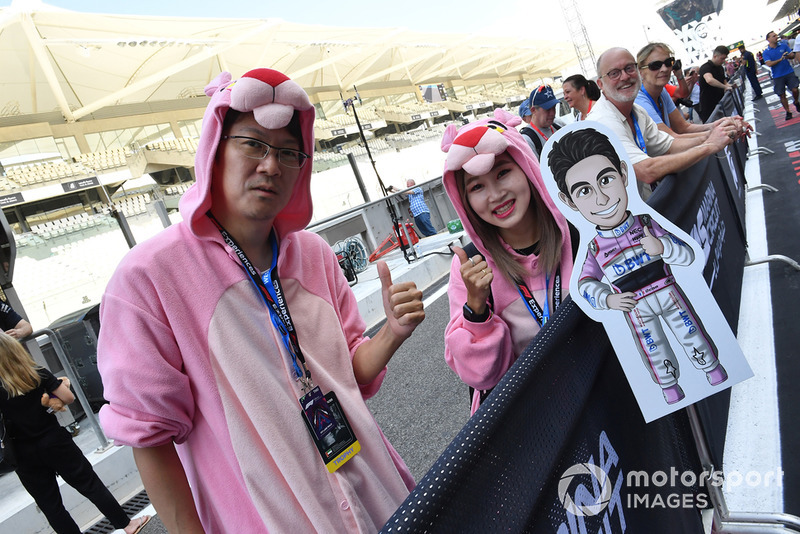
(752, 447)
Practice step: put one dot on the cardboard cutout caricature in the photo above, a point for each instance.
(640, 275)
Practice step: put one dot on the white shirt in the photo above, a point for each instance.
(656, 141)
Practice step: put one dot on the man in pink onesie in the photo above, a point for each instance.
(633, 253)
(231, 343)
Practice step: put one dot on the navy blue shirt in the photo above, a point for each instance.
(8, 317)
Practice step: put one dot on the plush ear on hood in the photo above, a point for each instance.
(509, 119)
(449, 135)
(222, 80)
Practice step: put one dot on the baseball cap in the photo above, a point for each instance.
(524, 109)
(543, 97)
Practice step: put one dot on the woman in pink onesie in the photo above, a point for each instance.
(222, 334)
(504, 290)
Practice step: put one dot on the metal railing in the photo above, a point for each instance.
(91, 418)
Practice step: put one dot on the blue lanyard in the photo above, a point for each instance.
(279, 313)
(639, 137)
(541, 316)
(269, 289)
(656, 105)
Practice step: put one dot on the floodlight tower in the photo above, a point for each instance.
(580, 39)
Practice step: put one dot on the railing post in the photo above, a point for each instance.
(56, 341)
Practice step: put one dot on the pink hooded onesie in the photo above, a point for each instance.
(481, 353)
(188, 354)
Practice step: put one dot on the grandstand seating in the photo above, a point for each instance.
(112, 158)
(324, 160)
(20, 176)
(133, 204)
(63, 226)
(184, 144)
(179, 189)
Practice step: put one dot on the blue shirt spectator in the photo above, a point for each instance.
(419, 209)
(658, 110)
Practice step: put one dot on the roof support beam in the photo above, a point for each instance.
(164, 74)
(43, 59)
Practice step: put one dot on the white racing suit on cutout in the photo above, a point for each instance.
(617, 255)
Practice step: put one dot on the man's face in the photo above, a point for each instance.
(626, 86)
(772, 39)
(543, 118)
(597, 191)
(245, 189)
(718, 59)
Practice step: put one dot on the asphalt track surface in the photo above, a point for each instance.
(782, 210)
(422, 404)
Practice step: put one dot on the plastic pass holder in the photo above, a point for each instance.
(338, 444)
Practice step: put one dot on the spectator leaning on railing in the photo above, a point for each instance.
(655, 65)
(653, 153)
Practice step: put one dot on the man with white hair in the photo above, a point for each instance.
(653, 153)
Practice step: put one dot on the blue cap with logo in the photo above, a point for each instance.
(543, 97)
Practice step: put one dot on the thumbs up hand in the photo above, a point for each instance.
(477, 277)
(652, 245)
(402, 303)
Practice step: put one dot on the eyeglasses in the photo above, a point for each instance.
(614, 74)
(656, 65)
(255, 149)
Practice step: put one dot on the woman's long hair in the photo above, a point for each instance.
(18, 371)
(509, 267)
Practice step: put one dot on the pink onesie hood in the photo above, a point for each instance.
(474, 147)
(273, 98)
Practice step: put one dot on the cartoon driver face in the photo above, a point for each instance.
(597, 190)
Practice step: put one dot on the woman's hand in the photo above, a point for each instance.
(53, 404)
(477, 277)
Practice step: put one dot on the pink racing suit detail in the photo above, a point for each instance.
(618, 256)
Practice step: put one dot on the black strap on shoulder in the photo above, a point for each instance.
(528, 131)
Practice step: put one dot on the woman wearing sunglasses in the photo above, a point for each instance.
(656, 64)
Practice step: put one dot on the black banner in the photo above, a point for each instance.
(560, 445)
(83, 183)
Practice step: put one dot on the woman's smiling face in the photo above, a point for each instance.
(501, 197)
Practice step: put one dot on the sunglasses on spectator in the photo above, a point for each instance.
(656, 65)
(614, 74)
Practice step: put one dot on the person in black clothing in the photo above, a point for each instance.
(751, 70)
(12, 323)
(713, 83)
(29, 395)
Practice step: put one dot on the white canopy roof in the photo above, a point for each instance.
(77, 63)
